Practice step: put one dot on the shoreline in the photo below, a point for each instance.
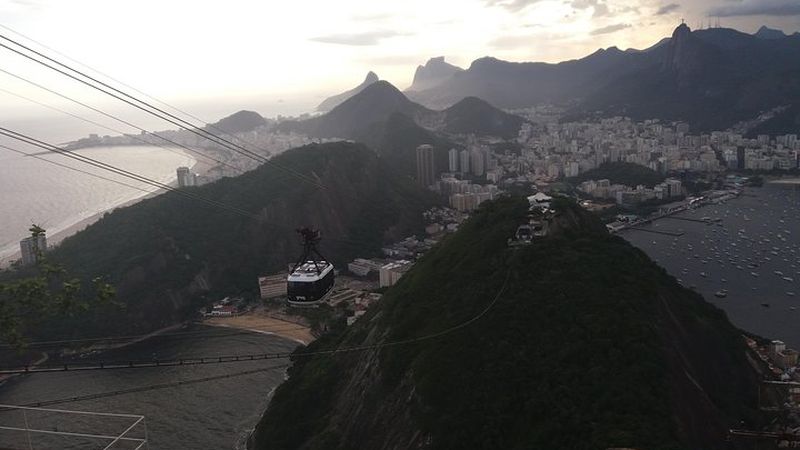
(795, 181)
(264, 324)
(199, 166)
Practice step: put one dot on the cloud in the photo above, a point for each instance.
(358, 39)
(512, 5)
(512, 41)
(392, 60)
(376, 17)
(610, 29)
(666, 9)
(599, 7)
(757, 8)
(525, 40)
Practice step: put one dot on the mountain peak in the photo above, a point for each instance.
(334, 101)
(240, 122)
(681, 31)
(371, 77)
(381, 86)
(769, 33)
(680, 48)
(433, 73)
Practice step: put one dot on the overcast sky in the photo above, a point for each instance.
(202, 50)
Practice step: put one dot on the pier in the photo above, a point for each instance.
(710, 221)
(665, 233)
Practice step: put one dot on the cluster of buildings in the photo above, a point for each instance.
(226, 307)
(464, 166)
(781, 360)
(762, 153)
(464, 195)
(264, 141)
(476, 160)
(553, 150)
(629, 196)
(389, 272)
(186, 177)
(443, 220)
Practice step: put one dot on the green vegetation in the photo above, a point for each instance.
(474, 116)
(169, 255)
(45, 291)
(590, 345)
(629, 174)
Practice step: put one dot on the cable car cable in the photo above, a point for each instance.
(76, 170)
(148, 108)
(43, 145)
(86, 66)
(227, 359)
(111, 116)
(152, 387)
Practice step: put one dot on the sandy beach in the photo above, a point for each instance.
(259, 322)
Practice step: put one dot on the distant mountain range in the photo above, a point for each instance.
(712, 78)
(380, 100)
(385, 119)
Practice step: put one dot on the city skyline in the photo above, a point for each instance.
(251, 53)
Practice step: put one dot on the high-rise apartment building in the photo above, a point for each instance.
(452, 157)
(477, 162)
(186, 177)
(426, 169)
(30, 247)
(464, 166)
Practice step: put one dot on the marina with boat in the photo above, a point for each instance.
(740, 249)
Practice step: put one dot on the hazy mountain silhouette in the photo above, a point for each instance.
(379, 101)
(240, 122)
(475, 116)
(334, 101)
(432, 74)
(769, 33)
(712, 78)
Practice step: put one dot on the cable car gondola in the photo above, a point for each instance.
(312, 277)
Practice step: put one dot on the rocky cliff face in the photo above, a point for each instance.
(435, 72)
(577, 341)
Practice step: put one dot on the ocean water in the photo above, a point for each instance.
(35, 191)
(753, 254)
(216, 414)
